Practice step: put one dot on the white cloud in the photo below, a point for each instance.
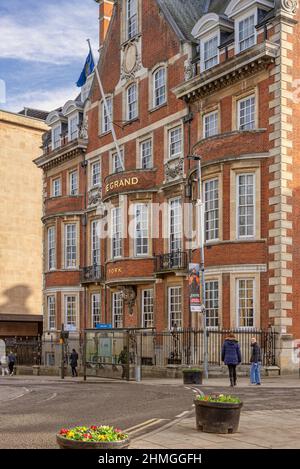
(54, 33)
(44, 100)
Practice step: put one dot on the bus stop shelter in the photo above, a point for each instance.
(117, 353)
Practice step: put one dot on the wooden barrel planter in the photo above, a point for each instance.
(192, 376)
(64, 443)
(217, 417)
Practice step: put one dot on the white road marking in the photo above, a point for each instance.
(182, 414)
(20, 395)
(51, 397)
(144, 425)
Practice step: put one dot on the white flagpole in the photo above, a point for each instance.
(106, 109)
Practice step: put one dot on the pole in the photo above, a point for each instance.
(106, 109)
(62, 341)
(202, 268)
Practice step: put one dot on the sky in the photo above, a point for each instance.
(43, 50)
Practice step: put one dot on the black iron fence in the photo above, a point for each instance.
(178, 347)
(186, 347)
(27, 350)
(92, 274)
(171, 261)
(147, 347)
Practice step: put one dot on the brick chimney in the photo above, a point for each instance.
(105, 14)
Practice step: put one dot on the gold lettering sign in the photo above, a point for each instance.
(121, 183)
(115, 271)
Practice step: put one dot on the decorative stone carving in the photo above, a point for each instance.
(83, 131)
(290, 6)
(128, 295)
(174, 169)
(131, 61)
(95, 196)
(188, 70)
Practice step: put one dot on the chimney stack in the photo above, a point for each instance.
(105, 14)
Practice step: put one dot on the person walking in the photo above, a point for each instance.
(124, 360)
(74, 362)
(11, 363)
(231, 356)
(4, 363)
(255, 362)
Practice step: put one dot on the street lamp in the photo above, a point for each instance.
(200, 205)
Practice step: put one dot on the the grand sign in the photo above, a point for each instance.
(121, 184)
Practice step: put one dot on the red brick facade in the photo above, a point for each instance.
(251, 264)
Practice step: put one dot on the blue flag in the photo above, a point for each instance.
(88, 68)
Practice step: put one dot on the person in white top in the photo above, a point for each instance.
(4, 367)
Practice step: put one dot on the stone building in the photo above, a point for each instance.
(20, 229)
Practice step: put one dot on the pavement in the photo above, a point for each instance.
(157, 413)
(259, 429)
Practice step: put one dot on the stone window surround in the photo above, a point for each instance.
(46, 319)
(101, 114)
(167, 130)
(235, 105)
(139, 141)
(124, 35)
(216, 173)
(96, 159)
(151, 85)
(70, 171)
(244, 167)
(217, 278)
(204, 40)
(130, 84)
(52, 179)
(234, 277)
(70, 221)
(47, 228)
(133, 203)
(64, 309)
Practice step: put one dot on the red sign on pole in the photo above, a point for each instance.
(194, 285)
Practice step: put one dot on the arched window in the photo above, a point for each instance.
(159, 87)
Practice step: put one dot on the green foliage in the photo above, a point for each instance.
(220, 398)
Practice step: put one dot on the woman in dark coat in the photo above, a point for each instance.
(231, 356)
(74, 362)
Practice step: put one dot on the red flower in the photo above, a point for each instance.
(117, 430)
(64, 431)
(93, 427)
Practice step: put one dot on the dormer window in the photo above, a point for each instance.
(246, 33)
(73, 127)
(131, 18)
(56, 137)
(210, 53)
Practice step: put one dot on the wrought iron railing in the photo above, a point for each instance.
(92, 274)
(171, 261)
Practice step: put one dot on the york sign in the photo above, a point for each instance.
(121, 183)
